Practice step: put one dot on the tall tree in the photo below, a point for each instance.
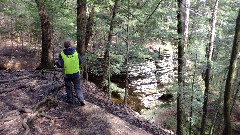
(235, 97)
(209, 51)
(127, 55)
(89, 26)
(46, 35)
(181, 45)
(230, 78)
(192, 96)
(186, 19)
(109, 42)
(89, 33)
(81, 25)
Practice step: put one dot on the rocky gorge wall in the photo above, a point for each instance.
(147, 80)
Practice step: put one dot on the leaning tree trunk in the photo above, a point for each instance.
(235, 97)
(180, 110)
(230, 78)
(209, 51)
(46, 36)
(81, 25)
(109, 42)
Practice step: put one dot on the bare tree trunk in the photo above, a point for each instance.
(235, 97)
(11, 36)
(89, 34)
(22, 39)
(192, 95)
(217, 109)
(186, 20)
(109, 42)
(89, 31)
(186, 13)
(46, 36)
(230, 78)
(18, 38)
(81, 25)
(127, 55)
(180, 110)
(209, 51)
(235, 93)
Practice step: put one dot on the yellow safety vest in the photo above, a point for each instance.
(71, 63)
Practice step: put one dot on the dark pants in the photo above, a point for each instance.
(73, 82)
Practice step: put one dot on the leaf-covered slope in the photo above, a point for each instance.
(42, 99)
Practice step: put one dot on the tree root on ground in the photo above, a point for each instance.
(13, 88)
(4, 119)
(30, 118)
(27, 120)
(35, 113)
(49, 117)
(19, 78)
(53, 70)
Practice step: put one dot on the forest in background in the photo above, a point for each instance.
(113, 35)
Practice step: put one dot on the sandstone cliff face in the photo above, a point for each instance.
(147, 79)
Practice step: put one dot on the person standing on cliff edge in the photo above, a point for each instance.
(70, 60)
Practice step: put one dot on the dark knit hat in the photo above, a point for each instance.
(67, 44)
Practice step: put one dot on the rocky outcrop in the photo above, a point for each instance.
(151, 74)
(165, 66)
(142, 77)
(147, 79)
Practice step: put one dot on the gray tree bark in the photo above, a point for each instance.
(209, 51)
(127, 56)
(81, 25)
(109, 42)
(46, 36)
(180, 110)
(230, 78)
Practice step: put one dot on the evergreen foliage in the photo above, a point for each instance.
(145, 25)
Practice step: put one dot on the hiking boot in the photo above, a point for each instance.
(82, 103)
(69, 101)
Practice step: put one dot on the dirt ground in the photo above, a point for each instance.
(14, 56)
(24, 93)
